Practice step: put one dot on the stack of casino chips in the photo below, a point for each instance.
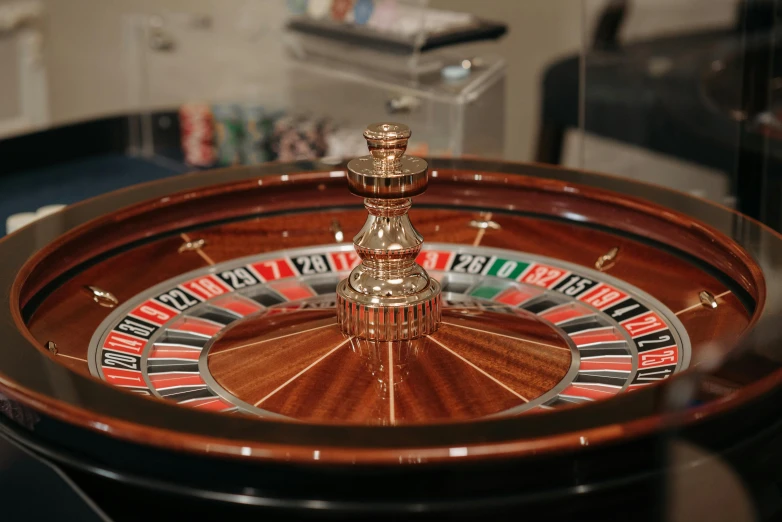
(257, 125)
(342, 11)
(402, 18)
(232, 134)
(197, 134)
(346, 11)
(300, 138)
(228, 133)
(297, 7)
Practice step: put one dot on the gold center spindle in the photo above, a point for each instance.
(388, 296)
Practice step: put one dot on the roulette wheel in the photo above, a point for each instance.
(213, 344)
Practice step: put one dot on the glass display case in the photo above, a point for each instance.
(319, 79)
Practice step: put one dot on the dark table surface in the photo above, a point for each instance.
(31, 490)
(74, 162)
(79, 179)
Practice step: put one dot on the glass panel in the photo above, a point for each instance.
(683, 94)
(646, 115)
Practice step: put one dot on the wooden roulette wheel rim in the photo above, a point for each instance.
(31, 376)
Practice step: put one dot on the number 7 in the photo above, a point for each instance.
(275, 268)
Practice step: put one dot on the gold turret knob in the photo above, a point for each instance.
(388, 296)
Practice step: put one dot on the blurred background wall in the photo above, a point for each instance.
(87, 63)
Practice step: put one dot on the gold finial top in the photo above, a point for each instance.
(387, 131)
(387, 173)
